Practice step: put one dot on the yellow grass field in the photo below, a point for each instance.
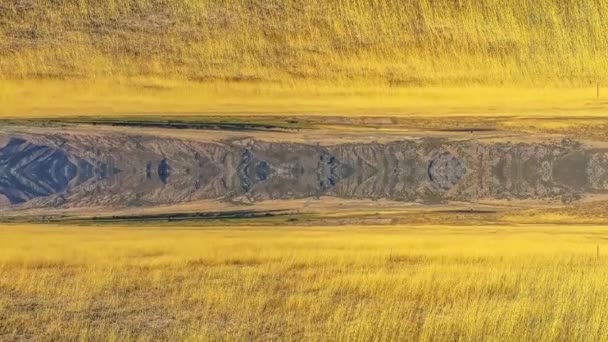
(430, 283)
(539, 65)
(496, 57)
(145, 97)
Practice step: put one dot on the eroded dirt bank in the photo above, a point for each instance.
(104, 171)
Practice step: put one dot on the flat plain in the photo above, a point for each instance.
(350, 57)
(522, 282)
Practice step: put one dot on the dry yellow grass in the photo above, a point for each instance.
(397, 42)
(360, 283)
(349, 56)
(355, 57)
(119, 96)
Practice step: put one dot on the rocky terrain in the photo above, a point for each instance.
(117, 170)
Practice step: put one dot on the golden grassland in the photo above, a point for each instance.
(357, 283)
(66, 57)
(425, 58)
(161, 97)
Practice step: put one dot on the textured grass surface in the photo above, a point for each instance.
(356, 57)
(395, 42)
(402, 283)
(347, 56)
